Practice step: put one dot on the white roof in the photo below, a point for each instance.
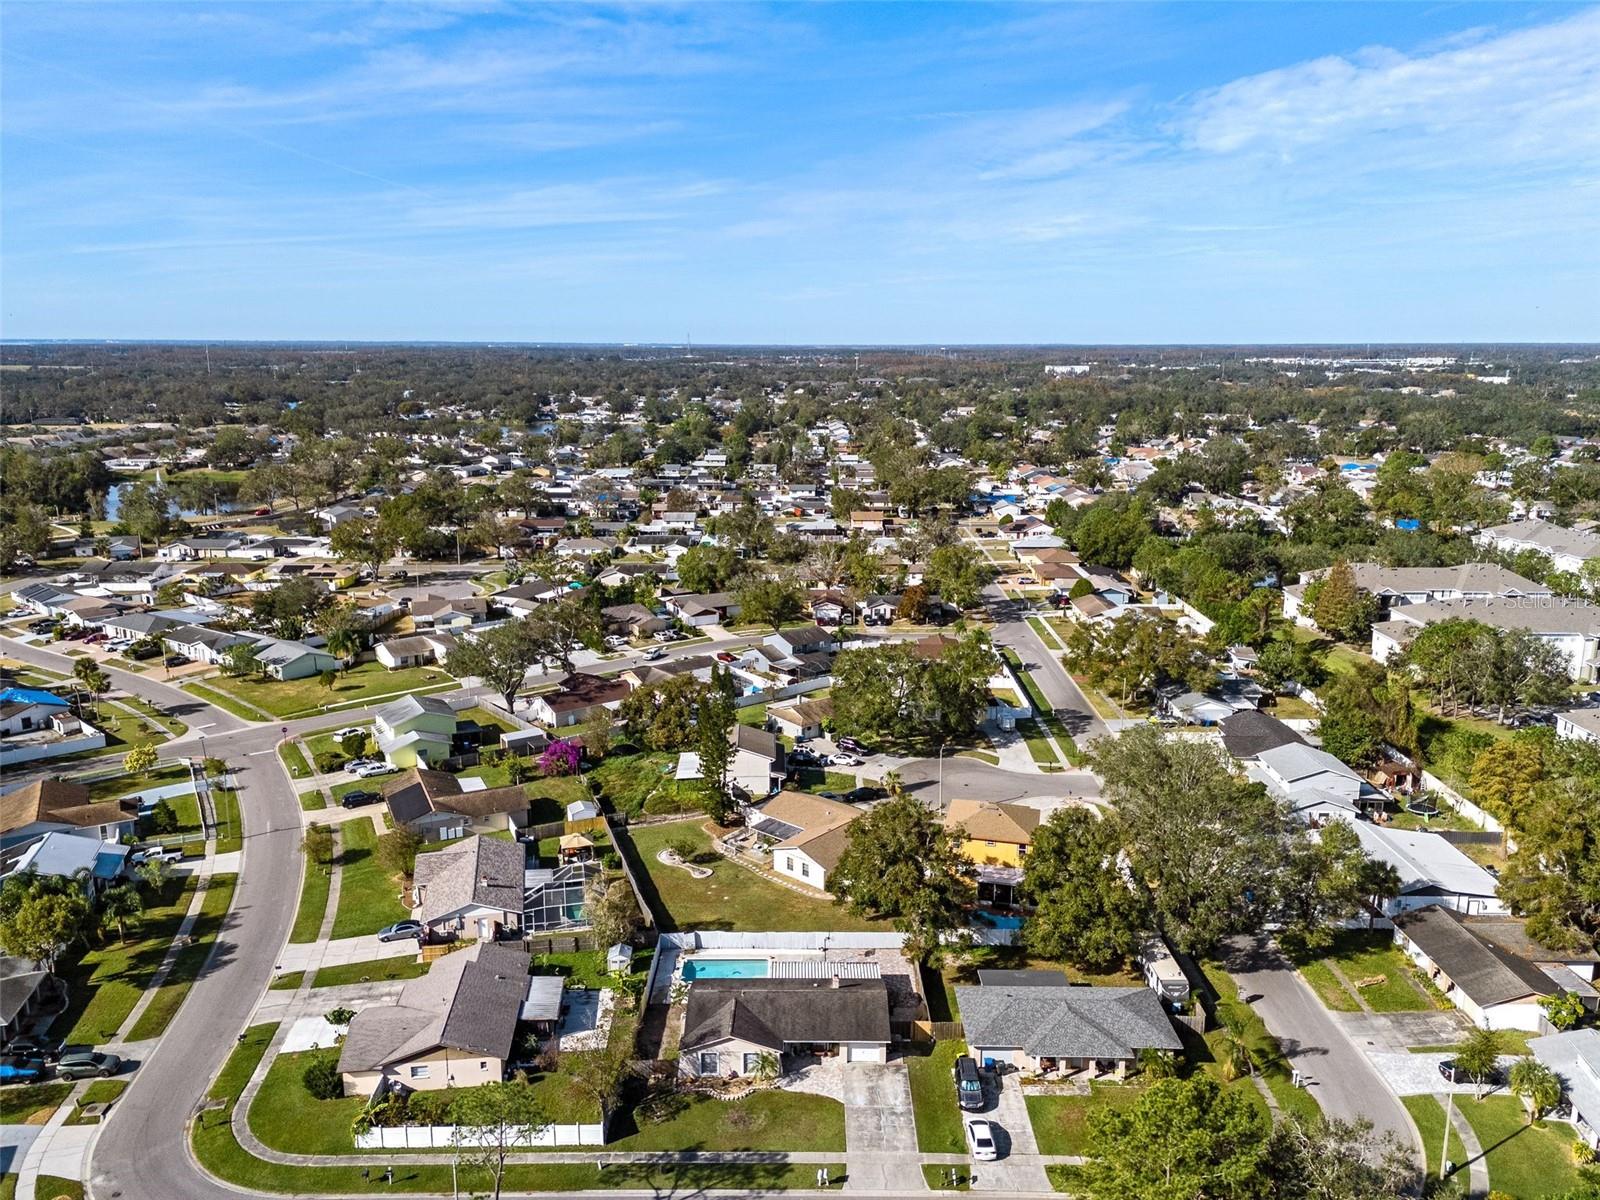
(1425, 860)
(1295, 761)
(1575, 1056)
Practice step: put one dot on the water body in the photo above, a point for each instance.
(118, 490)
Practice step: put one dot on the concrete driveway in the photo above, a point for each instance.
(1418, 1074)
(1019, 1168)
(880, 1133)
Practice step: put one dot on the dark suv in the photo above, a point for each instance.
(969, 1084)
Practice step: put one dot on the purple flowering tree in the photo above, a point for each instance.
(561, 758)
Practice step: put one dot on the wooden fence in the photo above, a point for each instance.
(937, 1031)
(559, 943)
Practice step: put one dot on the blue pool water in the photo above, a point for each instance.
(725, 968)
(997, 921)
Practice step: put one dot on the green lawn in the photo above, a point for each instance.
(313, 801)
(115, 786)
(369, 898)
(54, 1187)
(1044, 712)
(294, 760)
(1512, 1041)
(768, 1120)
(287, 982)
(1061, 1123)
(733, 898)
(933, 1095)
(1363, 955)
(307, 697)
(105, 983)
(1038, 745)
(314, 888)
(486, 718)
(587, 968)
(226, 702)
(810, 779)
(230, 829)
(326, 743)
(287, 1117)
(1429, 1117)
(549, 795)
(1333, 994)
(190, 961)
(31, 1103)
(375, 970)
(1525, 1161)
(644, 783)
(101, 1091)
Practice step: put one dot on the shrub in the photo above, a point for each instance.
(322, 1079)
(397, 851)
(339, 1016)
(163, 819)
(328, 761)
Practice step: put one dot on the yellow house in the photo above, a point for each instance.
(993, 834)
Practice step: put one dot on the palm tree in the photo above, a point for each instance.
(767, 1067)
(119, 904)
(344, 643)
(893, 784)
(1536, 1085)
(1233, 1057)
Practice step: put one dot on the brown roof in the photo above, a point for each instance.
(985, 821)
(580, 690)
(933, 646)
(61, 802)
(418, 792)
(823, 824)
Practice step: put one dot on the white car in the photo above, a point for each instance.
(980, 1141)
(846, 760)
(665, 635)
(153, 853)
(339, 734)
(368, 770)
(616, 643)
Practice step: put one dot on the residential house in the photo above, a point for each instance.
(1567, 549)
(801, 720)
(731, 1025)
(1248, 733)
(67, 855)
(44, 805)
(435, 806)
(528, 594)
(1572, 627)
(1575, 1058)
(293, 660)
(808, 639)
(992, 833)
(472, 889)
(448, 612)
(580, 697)
(26, 991)
(25, 710)
(632, 620)
(451, 1028)
(711, 608)
(877, 610)
(1317, 786)
(1397, 586)
(1495, 989)
(419, 650)
(832, 608)
(197, 643)
(415, 730)
(805, 835)
(1432, 872)
(1579, 724)
(1064, 1029)
(758, 766)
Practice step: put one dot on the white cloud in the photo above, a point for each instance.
(1526, 94)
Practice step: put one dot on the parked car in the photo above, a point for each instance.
(845, 760)
(14, 1068)
(341, 734)
(724, 656)
(168, 854)
(372, 769)
(980, 1141)
(1021, 579)
(616, 643)
(850, 745)
(969, 1084)
(656, 654)
(1455, 1074)
(359, 797)
(400, 930)
(33, 1045)
(41, 627)
(864, 795)
(801, 756)
(174, 660)
(84, 1064)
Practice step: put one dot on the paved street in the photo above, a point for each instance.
(1344, 1083)
(1043, 663)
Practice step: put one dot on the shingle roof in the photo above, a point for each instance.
(58, 801)
(1249, 732)
(469, 1001)
(988, 821)
(478, 871)
(1066, 1022)
(1487, 974)
(770, 1012)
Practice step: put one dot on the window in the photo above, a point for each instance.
(788, 863)
(805, 870)
(421, 1072)
(752, 1063)
(709, 1064)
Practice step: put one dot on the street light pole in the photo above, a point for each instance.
(1444, 1146)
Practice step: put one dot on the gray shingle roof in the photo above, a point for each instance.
(1485, 973)
(479, 871)
(1066, 1022)
(770, 1012)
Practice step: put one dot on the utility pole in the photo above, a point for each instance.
(1444, 1146)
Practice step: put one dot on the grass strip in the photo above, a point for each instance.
(294, 760)
(933, 1099)
(314, 889)
(190, 961)
(369, 898)
(377, 970)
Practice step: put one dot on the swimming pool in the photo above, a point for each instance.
(997, 920)
(725, 968)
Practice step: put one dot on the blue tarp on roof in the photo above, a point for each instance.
(22, 695)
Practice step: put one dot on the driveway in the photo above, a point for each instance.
(1019, 1169)
(1418, 1074)
(1344, 1083)
(1396, 1033)
(880, 1134)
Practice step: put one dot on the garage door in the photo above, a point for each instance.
(863, 1054)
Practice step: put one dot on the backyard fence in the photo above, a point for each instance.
(442, 1137)
(626, 852)
(938, 1031)
(559, 943)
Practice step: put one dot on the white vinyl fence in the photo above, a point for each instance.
(442, 1137)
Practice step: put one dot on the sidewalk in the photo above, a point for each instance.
(59, 1149)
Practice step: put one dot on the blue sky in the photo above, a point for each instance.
(837, 173)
